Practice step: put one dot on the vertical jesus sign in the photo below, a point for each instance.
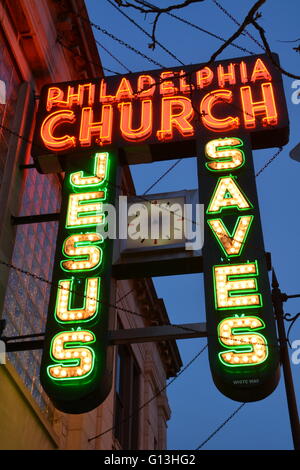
(76, 367)
(240, 319)
(218, 112)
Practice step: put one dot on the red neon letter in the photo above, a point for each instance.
(228, 76)
(102, 129)
(176, 112)
(167, 87)
(146, 86)
(55, 96)
(145, 128)
(49, 126)
(243, 72)
(204, 77)
(210, 121)
(124, 91)
(185, 82)
(104, 98)
(260, 72)
(265, 107)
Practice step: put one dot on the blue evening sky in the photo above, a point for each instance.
(197, 406)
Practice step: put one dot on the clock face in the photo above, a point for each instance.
(156, 223)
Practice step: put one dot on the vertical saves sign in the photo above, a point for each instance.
(242, 339)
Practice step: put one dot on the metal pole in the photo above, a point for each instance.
(277, 298)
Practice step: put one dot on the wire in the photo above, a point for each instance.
(125, 295)
(136, 413)
(220, 427)
(51, 283)
(120, 41)
(237, 23)
(269, 161)
(183, 20)
(116, 307)
(145, 32)
(162, 176)
(111, 55)
(77, 54)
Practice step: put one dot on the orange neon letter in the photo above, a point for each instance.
(228, 76)
(210, 121)
(104, 98)
(124, 91)
(78, 98)
(243, 72)
(146, 86)
(185, 82)
(55, 96)
(204, 77)
(145, 128)
(167, 87)
(176, 112)
(266, 107)
(102, 129)
(260, 72)
(50, 124)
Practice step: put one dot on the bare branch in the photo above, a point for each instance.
(294, 40)
(154, 9)
(248, 20)
(269, 52)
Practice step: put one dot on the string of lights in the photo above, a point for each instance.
(159, 392)
(220, 427)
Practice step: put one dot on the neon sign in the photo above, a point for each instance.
(175, 107)
(76, 364)
(218, 112)
(241, 331)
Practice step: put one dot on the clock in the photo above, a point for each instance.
(155, 223)
(158, 241)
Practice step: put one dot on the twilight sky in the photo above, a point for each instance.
(197, 406)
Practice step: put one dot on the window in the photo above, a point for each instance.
(127, 399)
(9, 86)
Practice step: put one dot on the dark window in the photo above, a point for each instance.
(9, 86)
(127, 399)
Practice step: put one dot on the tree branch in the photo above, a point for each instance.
(269, 52)
(154, 9)
(248, 20)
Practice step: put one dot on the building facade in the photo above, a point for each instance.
(48, 41)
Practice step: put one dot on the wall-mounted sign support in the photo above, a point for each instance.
(127, 336)
(278, 298)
